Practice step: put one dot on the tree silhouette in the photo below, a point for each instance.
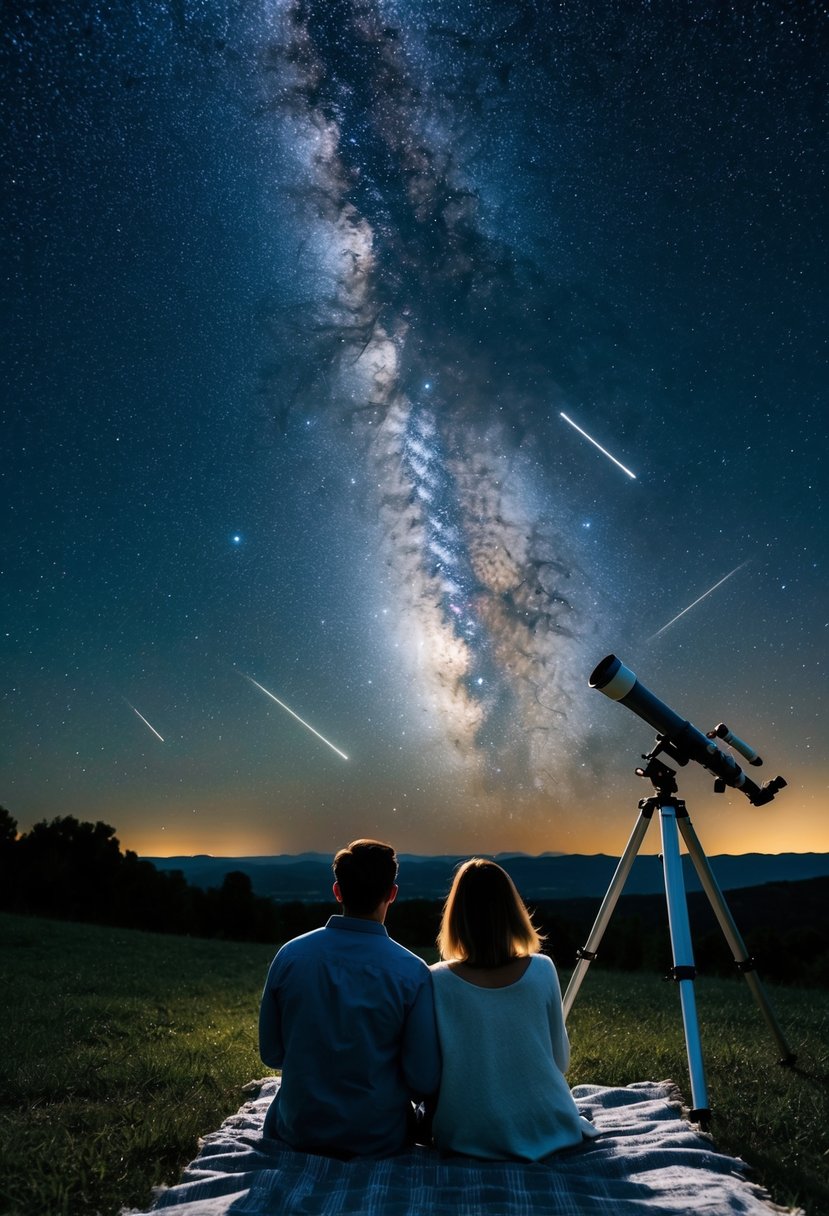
(8, 837)
(74, 870)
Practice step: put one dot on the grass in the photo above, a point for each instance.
(121, 1048)
(628, 1027)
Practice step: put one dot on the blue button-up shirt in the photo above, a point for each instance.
(348, 1015)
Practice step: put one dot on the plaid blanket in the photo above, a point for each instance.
(647, 1161)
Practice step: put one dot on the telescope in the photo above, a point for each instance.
(679, 738)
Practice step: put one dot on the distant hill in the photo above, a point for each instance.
(785, 926)
(551, 876)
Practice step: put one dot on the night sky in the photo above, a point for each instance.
(295, 295)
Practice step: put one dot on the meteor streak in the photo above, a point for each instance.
(146, 723)
(697, 601)
(302, 721)
(603, 451)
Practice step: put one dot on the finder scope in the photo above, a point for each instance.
(681, 740)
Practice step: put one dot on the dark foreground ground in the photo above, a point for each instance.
(121, 1048)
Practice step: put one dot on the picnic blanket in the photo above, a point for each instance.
(647, 1160)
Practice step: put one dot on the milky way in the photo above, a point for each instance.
(416, 312)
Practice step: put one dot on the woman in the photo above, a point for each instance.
(501, 1028)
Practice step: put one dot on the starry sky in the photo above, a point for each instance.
(296, 295)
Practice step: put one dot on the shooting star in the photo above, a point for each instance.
(603, 451)
(724, 579)
(144, 720)
(288, 709)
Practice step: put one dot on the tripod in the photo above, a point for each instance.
(674, 820)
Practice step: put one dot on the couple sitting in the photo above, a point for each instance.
(362, 1029)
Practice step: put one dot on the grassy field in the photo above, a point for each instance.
(121, 1048)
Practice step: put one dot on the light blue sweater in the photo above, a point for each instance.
(505, 1050)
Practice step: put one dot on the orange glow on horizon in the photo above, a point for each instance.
(451, 817)
(732, 830)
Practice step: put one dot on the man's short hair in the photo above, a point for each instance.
(366, 871)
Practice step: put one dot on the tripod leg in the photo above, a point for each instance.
(742, 959)
(587, 953)
(684, 970)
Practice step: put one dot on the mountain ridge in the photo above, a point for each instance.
(307, 876)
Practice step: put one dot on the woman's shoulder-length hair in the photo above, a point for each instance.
(485, 921)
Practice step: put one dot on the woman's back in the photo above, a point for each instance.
(503, 1093)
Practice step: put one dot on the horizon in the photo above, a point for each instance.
(726, 824)
(499, 853)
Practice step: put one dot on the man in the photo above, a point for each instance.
(348, 1015)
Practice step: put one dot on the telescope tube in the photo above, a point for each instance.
(619, 683)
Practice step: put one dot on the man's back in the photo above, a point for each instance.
(348, 1015)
